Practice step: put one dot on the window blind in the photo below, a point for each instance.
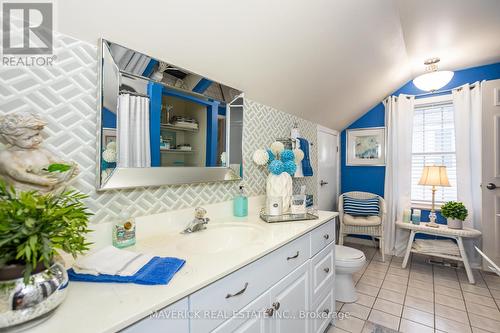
(433, 144)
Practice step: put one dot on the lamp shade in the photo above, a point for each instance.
(433, 81)
(434, 175)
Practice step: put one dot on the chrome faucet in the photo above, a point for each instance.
(198, 223)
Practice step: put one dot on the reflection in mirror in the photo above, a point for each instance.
(161, 124)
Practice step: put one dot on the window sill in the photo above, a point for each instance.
(426, 205)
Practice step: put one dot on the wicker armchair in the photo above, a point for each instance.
(371, 225)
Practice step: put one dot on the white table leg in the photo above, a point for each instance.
(468, 270)
(408, 249)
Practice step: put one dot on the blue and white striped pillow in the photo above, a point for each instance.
(361, 207)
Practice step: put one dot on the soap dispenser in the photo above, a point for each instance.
(124, 231)
(240, 204)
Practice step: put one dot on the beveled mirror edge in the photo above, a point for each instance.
(154, 176)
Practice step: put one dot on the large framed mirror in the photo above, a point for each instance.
(160, 124)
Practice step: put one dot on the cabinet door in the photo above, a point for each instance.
(173, 318)
(251, 319)
(290, 298)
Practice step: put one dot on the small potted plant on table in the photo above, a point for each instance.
(33, 226)
(455, 213)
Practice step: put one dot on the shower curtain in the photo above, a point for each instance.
(133, 137)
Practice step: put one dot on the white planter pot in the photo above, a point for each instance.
(280, 186)
(455, 224)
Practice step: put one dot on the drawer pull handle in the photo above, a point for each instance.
(327, 270)
(326, 236)
(276, 305)
(293, 257)
(270, 312)
(239, 292)
(326, 311)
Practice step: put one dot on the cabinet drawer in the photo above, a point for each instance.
(323, 312)
(322, 236)
(322, 272)
(164, 320)
(231, 293)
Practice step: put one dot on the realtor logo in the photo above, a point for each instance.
(33, 35)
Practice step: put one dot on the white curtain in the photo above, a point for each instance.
(468, 106)
(399, 129)
(133, 132)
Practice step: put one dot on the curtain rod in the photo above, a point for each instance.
(472, 86)
(133, 93)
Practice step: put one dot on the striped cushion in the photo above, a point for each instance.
(361, 207)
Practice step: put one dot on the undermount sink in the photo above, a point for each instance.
(221, 237)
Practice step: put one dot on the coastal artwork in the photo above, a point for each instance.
(366, 146)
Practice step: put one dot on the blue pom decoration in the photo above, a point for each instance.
(271, 155)
(287, 155)
(290, 167)
(276, 167)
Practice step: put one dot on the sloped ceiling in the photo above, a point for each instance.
(328, 61)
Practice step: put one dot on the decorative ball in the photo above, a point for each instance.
(299, 155)
(290, 167)
(276, 167)
(287, 155)
(270, 155)
(260, 157)
(109, 155)
(277, 147)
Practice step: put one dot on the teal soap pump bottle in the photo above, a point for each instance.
(240, 204)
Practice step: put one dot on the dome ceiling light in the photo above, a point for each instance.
(432, 79)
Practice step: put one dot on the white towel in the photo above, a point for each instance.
(437, 246)
(112, 261)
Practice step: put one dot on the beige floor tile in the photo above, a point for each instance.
(396, 278)
(451, 326)
(421, 285)
(407, 326)
(367, 289)
(350, 324)
(483, 300)
(439, 289)
(427, 278)
(397, 287)
(418, 316)
(388, 306)
(374, 274)
(356, 310)
(478, 330)
(399, 271)
(397, 260)
(484, 323)
(482, 310)
(495, 293)
(451, 313)
(334, 329)
(450, 301)
(424, 294)
(338, 305)
(392, 296)
(371, 281)
(419, 304)
(365, 300)
(384, 319)
(493, 285)
(474, 289)
(447, 283)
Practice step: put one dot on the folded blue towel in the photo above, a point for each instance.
(306, 162)
(157, 271)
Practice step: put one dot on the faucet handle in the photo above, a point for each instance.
(200, 212)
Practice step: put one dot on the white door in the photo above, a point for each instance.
(327, 168)
(290, 298)
(491, 172)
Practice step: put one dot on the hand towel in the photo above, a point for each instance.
(306, 162)
(157, 271)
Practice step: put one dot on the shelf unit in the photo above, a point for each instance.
(177, 128)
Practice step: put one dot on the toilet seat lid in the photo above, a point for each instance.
(346, 253)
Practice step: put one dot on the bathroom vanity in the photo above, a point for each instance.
(241, 274)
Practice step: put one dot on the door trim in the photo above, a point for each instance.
(337, 176)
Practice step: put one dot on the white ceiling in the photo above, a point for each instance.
(328, 61)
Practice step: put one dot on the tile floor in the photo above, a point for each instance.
(421, 298)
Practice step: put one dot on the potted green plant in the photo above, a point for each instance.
(455, 213)
(33, 227)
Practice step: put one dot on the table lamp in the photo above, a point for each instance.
(434, 175)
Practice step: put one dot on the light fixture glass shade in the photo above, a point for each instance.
(434, 175)
(433, 80)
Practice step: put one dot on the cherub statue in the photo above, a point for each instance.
(23, 163)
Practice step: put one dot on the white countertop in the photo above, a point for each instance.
(109, 307)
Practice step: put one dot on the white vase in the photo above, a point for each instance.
(455, 224)
(280, 186)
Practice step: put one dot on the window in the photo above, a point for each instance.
(433, 144)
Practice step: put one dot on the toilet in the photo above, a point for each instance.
(347, 262)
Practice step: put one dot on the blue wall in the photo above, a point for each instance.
(371, 179)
